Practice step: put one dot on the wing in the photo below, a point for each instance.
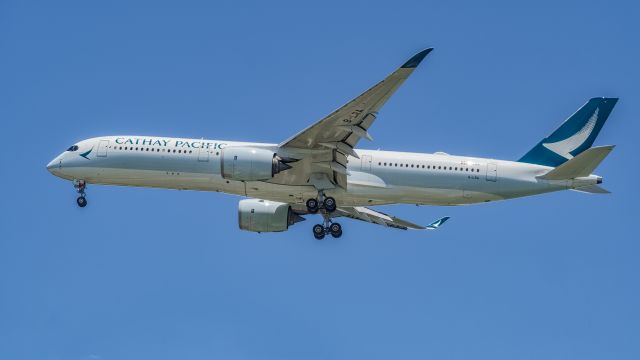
(376, 217)
(330, 140)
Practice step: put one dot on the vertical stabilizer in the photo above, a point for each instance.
(574, 136)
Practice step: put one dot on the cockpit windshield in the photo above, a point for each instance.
(73, 148)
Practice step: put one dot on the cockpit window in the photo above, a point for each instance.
(73, 148)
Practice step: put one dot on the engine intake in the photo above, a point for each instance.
(265, 216)
(251, 164)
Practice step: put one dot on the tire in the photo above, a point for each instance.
(336, 230)
(318, 231)
(312, 206)
(81, 201)
(330, 204)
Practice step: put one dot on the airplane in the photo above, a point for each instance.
(319, 170)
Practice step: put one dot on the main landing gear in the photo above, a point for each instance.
(326, 205)
(333, 228)
(80, 186)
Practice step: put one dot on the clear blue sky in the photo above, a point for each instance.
(160, 274)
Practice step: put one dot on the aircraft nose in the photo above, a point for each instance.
(53, 165)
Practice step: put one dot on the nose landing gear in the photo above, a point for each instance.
(80, 186)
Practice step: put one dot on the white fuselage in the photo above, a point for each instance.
(377, 177)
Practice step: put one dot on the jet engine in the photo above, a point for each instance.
(265, 216)
(251, 164)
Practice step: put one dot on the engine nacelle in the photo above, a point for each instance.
(250, 164)
(265, 216)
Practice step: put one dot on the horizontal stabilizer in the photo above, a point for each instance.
(592, 189)
(581, 165)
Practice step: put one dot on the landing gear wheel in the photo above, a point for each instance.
(312, 206)
(80, 186)
(82, 201)
(330, 204)
(318, 231)
(336, 230)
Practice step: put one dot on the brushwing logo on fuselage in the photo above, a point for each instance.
(86, 153)
(566, 146)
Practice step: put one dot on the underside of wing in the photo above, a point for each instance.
(380, 218)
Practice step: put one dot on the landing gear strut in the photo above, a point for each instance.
(80, 186)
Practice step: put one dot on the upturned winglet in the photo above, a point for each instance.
(436, 224)
(416, 59)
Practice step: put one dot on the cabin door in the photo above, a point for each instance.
(492, 172)
(203, 154)
(103, 145)
(366, 163)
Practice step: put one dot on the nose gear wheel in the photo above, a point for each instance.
(80, 186)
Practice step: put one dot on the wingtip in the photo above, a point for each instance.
(416, 59)
(436, 224)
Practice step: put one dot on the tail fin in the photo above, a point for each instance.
(581, 165)
(574, 136)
